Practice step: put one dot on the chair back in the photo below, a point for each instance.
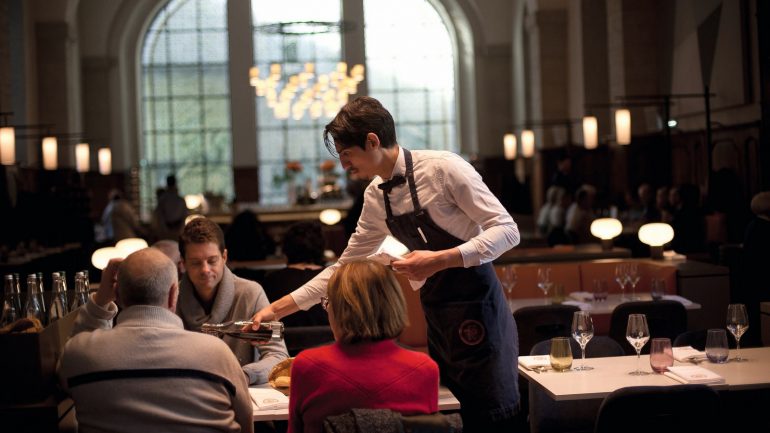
(665, 319)
(299, 338)
(600, 346)
(660, 409)
(542, 322)
(386, 421)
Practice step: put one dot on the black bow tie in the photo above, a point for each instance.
(395, 181)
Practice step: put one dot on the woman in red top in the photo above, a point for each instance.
(364, 368)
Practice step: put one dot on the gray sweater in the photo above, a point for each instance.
(236, 299)
(148, 374)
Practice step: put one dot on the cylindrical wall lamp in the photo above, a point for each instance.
(105, 161)
(623, 126)
(509, 146)
(7, 145)
(590, 132)
(82, 157)
(50, 153)
(527, 143)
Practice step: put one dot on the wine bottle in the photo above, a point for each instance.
(268, 331)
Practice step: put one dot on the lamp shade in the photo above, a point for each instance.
(7, 146)
(129, 245)
(105, 161)
(50, 153)
(509, 146)
(606, 228)
(102, 256)
(330, 216)
(82, 157)
(527, 143)
(590, 132)
(656, 234)
(623, 126)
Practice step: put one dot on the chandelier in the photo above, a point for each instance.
(306, 91)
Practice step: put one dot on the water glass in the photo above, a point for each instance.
(558, 293)
(561, 354)
(657, 288)
(716, 346)
(600, 290)
(661, 355)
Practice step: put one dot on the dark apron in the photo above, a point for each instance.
(471, 332)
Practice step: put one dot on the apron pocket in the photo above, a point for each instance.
(465, 331)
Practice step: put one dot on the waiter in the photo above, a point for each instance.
(436, 204)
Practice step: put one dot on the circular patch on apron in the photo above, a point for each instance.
(472, 332)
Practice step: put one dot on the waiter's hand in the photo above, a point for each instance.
(422, 264)
(264, 315)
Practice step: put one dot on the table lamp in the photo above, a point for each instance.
(606, 229)
(656, 235)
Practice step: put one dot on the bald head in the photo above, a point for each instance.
(147, 277)
(760, 204)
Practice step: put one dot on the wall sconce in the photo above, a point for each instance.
(527, 143)
(590, 132)
(330, 216)
(82, 157)
(509, 146)
(105, 161)
(7, 145)
(50, 153)
(623, 126)
(656, 235)
(606, 229)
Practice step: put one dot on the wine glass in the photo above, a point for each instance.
(544, 281)
(737, 324)
(582, 331)
(632, 278)
(621, 277)
(637, 333)
(508, 278)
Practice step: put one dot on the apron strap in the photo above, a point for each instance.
(410, 178)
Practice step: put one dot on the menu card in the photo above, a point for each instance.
(537, 361)
(688, 353)
(693, 374)
(268, 398)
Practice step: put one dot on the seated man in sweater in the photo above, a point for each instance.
(364, 368)
(148, 373)
(210, 293)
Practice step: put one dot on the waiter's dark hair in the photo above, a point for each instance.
(356, 119)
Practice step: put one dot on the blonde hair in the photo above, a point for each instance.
(367, 302)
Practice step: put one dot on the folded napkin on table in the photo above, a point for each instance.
(688, 353)
(386, 254)
(582, 305)
(693, 374)
(686, 302)
(268, 398)
(532, 362)
(582, 296)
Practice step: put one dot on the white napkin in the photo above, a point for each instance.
(387, 253)
(684, 301)
(582, 305)
(688, 353)
(693, 374)
(582, 296)
(531, 362)
(268, 398)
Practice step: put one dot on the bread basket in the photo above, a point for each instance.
(281, 370)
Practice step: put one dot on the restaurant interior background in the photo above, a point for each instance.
(165, 86)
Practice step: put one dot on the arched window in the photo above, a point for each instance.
(409, 64)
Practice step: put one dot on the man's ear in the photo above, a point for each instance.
(173, 296)
(224, 255)
(372, 141)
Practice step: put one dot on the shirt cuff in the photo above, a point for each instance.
(108, 312)
(469, 254)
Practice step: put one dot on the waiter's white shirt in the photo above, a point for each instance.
(456, 199)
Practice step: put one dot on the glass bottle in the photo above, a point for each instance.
(17, 292)
(268, 331)
(56, 310)
(32, 307)
(81, 293)
(64, 292)
(11, 312)
(41, 293)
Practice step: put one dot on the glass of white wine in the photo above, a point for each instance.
(582, 332)
(561, 354)
(637, 333)
(737, 324)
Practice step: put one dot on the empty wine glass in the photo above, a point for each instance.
(544, 281)
(737, 324)
(508, 278)
(637, 333)
(582, 332)
(621, 277)
(632, 278)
